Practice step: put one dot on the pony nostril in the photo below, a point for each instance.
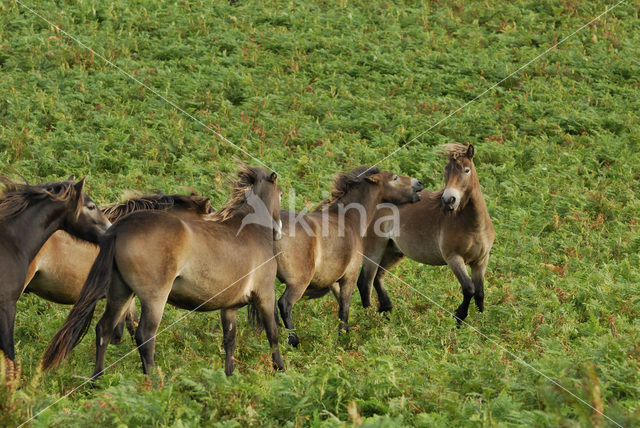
(448, 200)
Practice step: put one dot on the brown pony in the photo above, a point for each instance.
(221, 262)
(324, 248)
(451, 226)
(29, 215)
(60, 268)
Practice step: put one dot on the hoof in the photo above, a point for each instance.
(459, 317)
(385, 309)
(294, 341)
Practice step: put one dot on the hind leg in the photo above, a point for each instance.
(291, 295)
(456, 263)
(116, 337)
(150, 317)
(392, 257)
(130, 319)
(118, 298)
(271, 329)
(229, 318)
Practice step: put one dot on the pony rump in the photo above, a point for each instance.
(17, 197)
(344, 182)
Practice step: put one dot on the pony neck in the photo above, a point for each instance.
(359, 205)
(476, 207)
(35, 225)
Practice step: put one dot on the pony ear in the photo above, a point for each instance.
(79, 197)
(204, 203)
(273, 177)
(72, 177)
(79, 186)
(470, 151)
(373, 178)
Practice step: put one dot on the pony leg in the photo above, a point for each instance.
(130, 320)
(477, 276)
(335, 289)
(291, 295)
(150, 318)
(7, 322)
(391, 258)
(229, 318)
(118, 298)
(456, 263)
(374, 252)
(116, 337)
(271, 329)
(344, 302)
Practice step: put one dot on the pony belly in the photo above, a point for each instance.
(54, 289)
(195, 295)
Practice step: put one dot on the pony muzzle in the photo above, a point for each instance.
(451, 199)
(277, 230)
(417, 186)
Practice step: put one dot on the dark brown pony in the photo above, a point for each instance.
(324, 247)
(60, 268)
(29, 215)
(448, 227)
(221, 262)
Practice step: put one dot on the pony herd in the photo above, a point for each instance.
(55, 242)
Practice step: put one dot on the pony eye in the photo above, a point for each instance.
(91, 207)
(395, 178)
(467, 170)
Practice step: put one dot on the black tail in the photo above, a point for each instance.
(255, 317)
(77, 323)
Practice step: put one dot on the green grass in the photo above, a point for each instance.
(315, 89)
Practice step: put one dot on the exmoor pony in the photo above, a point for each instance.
(29, 215)
(219, 262)
(447, 227)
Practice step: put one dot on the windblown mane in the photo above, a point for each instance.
(158, 202)
(453, 150)
(16, 197)
(247, 176)
(345, 182)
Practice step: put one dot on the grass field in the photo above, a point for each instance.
(313, 89)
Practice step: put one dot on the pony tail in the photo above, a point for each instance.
(255, 317)
(79, 319)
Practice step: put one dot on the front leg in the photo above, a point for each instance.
(291, 295)
(374, 250)
(347, 286)
(456, 263)
(477, 275)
